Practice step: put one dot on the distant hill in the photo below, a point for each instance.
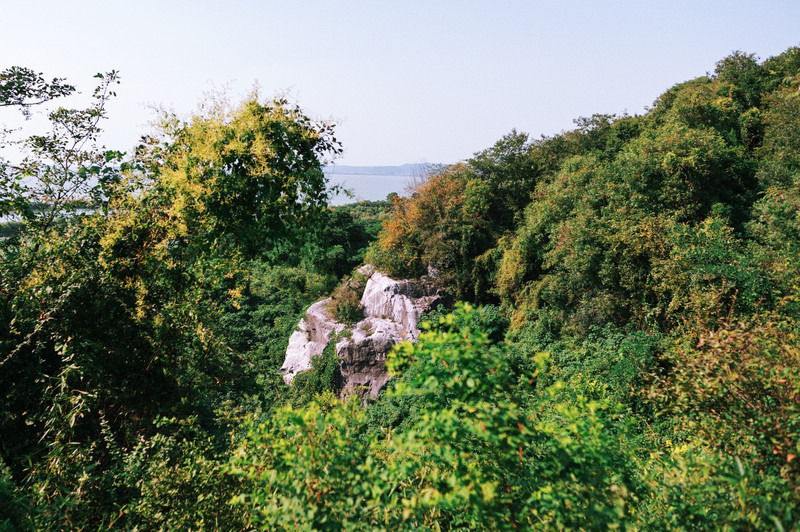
(401, 170)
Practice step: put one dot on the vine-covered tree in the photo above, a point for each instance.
(111, 323)
(250, 178)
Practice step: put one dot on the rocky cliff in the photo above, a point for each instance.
(391, 313)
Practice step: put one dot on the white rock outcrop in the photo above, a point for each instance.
(312, 335)
(391, 313)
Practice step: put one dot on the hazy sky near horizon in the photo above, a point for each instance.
(406, 81)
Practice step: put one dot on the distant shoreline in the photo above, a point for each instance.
(406, 170)
(368, 174)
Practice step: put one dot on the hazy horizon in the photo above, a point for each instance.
(410, 82)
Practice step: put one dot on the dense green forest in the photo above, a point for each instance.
(624, 354)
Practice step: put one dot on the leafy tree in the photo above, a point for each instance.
(780, 150)
(114, 319)
(510, 171)
(743, 77)
(62, 169)
(249, 178)
(23, 88)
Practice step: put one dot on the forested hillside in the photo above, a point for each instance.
(625, 353)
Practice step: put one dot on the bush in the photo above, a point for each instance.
(737, 386)
(471, 456)
(345, 304)
(323, 377)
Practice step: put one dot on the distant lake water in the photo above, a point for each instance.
(370, 187)
(364, 186)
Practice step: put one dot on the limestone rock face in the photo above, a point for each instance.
(391, 312)
(399, 301)
(309, 339)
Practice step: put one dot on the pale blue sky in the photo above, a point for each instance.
(407, 81)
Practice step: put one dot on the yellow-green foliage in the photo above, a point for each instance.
(247, 177)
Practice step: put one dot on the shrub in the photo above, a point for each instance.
(736, 385)
(345, 304)
(471, 457)
(323, 377)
